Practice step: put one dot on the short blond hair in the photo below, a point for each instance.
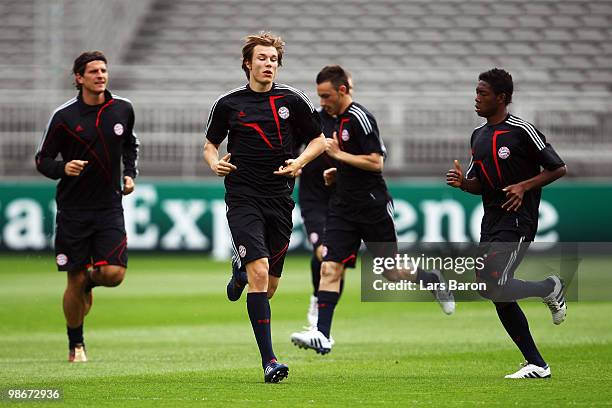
(266, 39)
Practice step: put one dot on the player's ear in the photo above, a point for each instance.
(342, 89)
(78, 79)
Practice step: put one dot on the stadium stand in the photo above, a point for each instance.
(414, 64)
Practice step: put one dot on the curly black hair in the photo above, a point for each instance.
(500, 81)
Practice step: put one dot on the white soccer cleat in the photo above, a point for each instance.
(444, 296)
(77, 355)
(556, 301)
(313, 313)
(312, 339)
(531, 371)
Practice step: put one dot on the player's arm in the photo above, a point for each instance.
(455, 178)
(553, 165)
(130, 156)
(216, 131)
(49, 148)
(515, 192)
(307, 122)
(293, 167)
(221, 167)
(373, 162)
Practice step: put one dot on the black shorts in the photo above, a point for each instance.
(314, 222)
(85, 238)
(261, 228)
(503, 251)
(343, 236)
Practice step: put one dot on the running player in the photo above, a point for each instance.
(361, 208)
(511, 162)
(260, 120)
(314, 197)
(94, 134)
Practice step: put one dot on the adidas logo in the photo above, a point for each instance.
(79, 128)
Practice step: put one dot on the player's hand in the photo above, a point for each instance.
(332, 147)
(329, 176)
(128, 185)
(291, 169)
(74, 167)
(514, 194)
(454, 177)
(223, 167)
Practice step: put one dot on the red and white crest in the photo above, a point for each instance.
(503, 152)
(61, 259)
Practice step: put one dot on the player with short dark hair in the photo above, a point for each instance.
(94, 134)
(314, 197)
(361, 207)
(260, 120)
(508, 155)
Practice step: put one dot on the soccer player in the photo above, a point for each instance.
(508, 155)
(360, 209)
(260, 120)
(314, 197)
(94, 134)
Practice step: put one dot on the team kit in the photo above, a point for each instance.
(274, 136)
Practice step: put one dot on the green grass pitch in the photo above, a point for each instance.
(168, 337)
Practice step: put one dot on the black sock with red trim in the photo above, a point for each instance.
(75, 336)
(327, 304)
(517, 327)
(315, 274)
(258, 307)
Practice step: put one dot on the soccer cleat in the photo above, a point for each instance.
(313, 313)
(531, 371)
(237, 283)
(275, 372)
(556, 300)
(312, 339)
(444, 296)
(77, 354)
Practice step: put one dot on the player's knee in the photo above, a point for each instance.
(331, 271)
(257, 272)
(111, 275)
(77, 280)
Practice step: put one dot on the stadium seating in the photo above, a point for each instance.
(414, 62)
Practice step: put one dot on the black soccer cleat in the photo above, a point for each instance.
(237, 283)
(275, 372)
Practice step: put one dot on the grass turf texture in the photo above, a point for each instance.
(168, 337)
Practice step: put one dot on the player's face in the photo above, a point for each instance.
(330, 98)
(95, 77)
(264, 64)
(487, 103)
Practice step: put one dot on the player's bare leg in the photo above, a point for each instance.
(74, 299)
(75, 304)
(108, 275)
(273, 282)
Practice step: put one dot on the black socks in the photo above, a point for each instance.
(327, 304)
(515, 323)
(258, 307)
